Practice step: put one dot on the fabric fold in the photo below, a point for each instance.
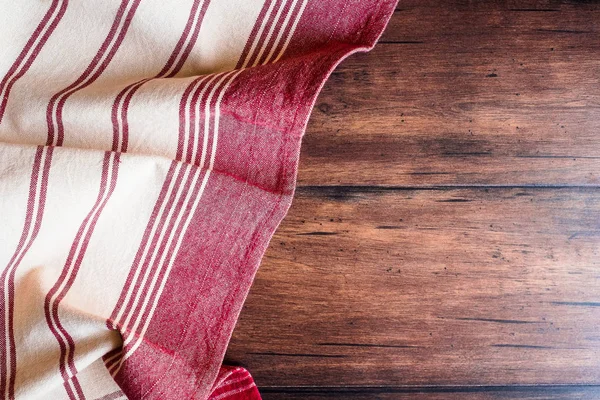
(148, 152)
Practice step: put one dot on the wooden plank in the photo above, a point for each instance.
(371, 286)
(465, 93)
(435, 393)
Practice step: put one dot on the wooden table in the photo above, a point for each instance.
(444, 242)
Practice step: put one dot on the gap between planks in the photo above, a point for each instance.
(310, 189)
(427, 388)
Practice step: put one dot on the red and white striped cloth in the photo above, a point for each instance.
(148, 151)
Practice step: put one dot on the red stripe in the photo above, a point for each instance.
(38, 166)
(287, 29)
(102, 59)
(112, 396)
(265, 32)
(232, 384)
(70, 392)
(127, 93)
(110, 357)
(253, 33)
(154, 269)
(222, 82)
(145, 264)
(229, 381)
(14, 73)
(71, 268)
(151, 297)
(196, 87)
(111, 323)
(145, 267)
(192, 120)
(119, 134)
(159, 228)
(219, 82)
(51, 310)
(195, 138)
(182, 109)
(26, 226)
(182, 39)
(111, 353)
(192, 42)
(286, 9)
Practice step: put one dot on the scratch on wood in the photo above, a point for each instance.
(369, 345)
(562, 31)
(430, 173)
(460, 154)
(534, 10)
(401, 42)
(545, 389)
(317, 234)
(522, 346)
(499, 321)
(576, 303)
(454, 201)
(297, 355)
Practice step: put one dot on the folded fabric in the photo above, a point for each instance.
(148, 151)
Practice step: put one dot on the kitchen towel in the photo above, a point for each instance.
(148, 151)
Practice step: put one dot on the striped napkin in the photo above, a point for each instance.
(148, 151)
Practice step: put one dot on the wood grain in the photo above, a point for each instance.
(444, 241)
(464, 93)
(428, 287)
(436, 393)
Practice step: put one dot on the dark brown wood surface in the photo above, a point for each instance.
(444, 241)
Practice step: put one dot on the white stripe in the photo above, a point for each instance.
(198, 104)
(193, 185)
(140, 338)
(187, 39)
(147, 292)
(258, 34)
(87, 227)
(32, 48)
(226, 377)
(146, 248)
(144, 257)
(11, 267)
(186, 117)
(110, 359)
(280, 34)
(266, 42)
(156, 221)
(234, 391)
(125, 326)
(91, 74)
(289, 38)
(232, 381)
(120, 106)
(217, 118)
(174, 64)
(207, 119)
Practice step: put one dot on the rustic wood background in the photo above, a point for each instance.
(444, 240)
